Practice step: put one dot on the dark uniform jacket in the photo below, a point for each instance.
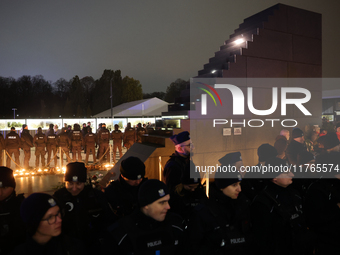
(64, 140)
(40, 140)
(60, 245)
(293, 150)
(221, 225)
(140, 234)
(12, 229)
(323, 214)
(278, 222)
(84, 216)
(90, 139)
(122, 197)
(185, 201)
(103, 136)
(76, 138)
(51, 138)
(117, 136)
(173, 170)
(12, 141)
(26, 139)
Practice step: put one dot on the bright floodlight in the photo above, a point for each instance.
(213, 71)
(239, 41)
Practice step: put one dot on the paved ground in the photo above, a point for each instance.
(42, 183)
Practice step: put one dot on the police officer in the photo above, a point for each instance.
(40, 141)
(151, 229)
(175, 166)
(323, 205)
(222, 224)
(252, 183)
(117, 137)
(103, 141)
(85, 210)
(90, 143)
(51, 145)
(188, 194)
(12, 229)
(77, 142)
(13, 144)
(140, 131)
(42, 216)
(122, 194)
(64, 142)
(277, 216)
(129, 137)
(2, 147)
(27, 144)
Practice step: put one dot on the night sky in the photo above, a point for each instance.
(153, 41)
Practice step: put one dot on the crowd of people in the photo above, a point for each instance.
(69, 140)
(287, 212)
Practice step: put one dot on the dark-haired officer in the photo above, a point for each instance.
(85, 210)
(42, 216)
(173, 169)
(12, 228)
(222, 224)
(151, 229)
(123, 193)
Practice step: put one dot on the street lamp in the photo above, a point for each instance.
(14, 109)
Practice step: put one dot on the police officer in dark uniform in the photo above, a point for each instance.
(27, 144)
(322, 205)
(129, 137)
(140, 131)
(12, 229)
(117, 137)
(51, 145)
(42, 216)
(123, 193)
(222, 224)
(2, 147)
(77, 142)
(175, 166)
(40, 141)
(252, 183)
(13, 144)
(85, 210)
(90, 144)
(103, 141)
(151, 229)
(188, 194)
(64, 142)
(277, 216)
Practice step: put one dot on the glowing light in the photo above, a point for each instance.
(239, 41)
(39, 170)
(213, 71)
(27, 173)
(15, 175)
(45, 170)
